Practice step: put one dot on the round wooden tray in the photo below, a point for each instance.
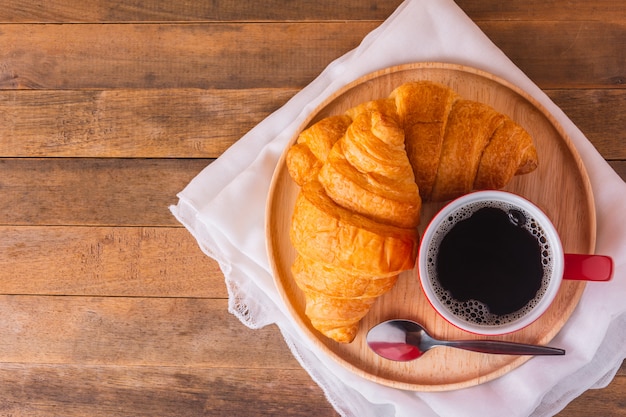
(559, 186)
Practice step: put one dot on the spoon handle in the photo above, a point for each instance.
(504, 348)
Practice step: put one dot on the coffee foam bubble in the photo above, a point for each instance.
(473, 311)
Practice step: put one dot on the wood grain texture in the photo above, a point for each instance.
(220, 55)
(106, 261)
(224, 55)
(135, 331)
(537, 10)
(607, 109)
(166, 11)
(172, 123)
(89, 191)
(587, 53)
(94, 365)
(108, 108)
(103, 391)
(75, 11)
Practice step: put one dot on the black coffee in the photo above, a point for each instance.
(491, 263)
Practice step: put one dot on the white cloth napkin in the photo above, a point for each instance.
(224, 208)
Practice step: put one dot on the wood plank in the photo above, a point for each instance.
(85, 191)
(57, 11)
(553, 54)
(538, 10)
(105, 391)
(180, 123)
(123, 331)
(195, 123)
(607, 108)
(171, 56)
(111, 261)
(50, 390)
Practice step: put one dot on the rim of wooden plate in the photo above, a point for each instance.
(428, 373)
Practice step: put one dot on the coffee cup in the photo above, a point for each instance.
(492, 262)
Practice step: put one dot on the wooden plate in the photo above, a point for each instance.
(560, 186)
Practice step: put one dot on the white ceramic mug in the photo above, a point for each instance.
(481, 292)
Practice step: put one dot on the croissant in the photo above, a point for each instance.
(354, 221)
(363, 177)
(306, 157)
(344, 261)
(424, 109)
(368, 171)
(456, 145)
(335, 299)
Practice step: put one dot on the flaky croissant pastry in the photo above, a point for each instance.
(456, 145)
(354, 220)
(363, 176)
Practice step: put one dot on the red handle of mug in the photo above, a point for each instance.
(581, 267)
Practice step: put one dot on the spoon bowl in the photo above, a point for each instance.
(406, 340)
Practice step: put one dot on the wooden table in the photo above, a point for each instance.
(109, 108)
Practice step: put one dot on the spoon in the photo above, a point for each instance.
(405, 340)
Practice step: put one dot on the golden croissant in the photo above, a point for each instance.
(363, 176)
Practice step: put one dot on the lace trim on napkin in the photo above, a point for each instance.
(239, 305)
